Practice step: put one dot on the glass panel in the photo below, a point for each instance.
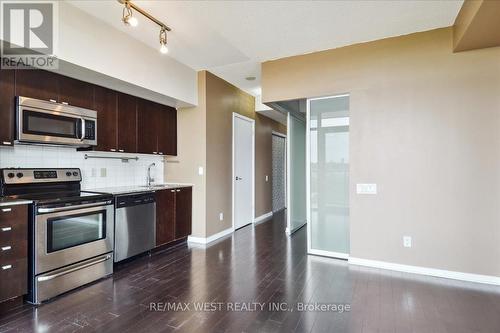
(47, 124)
(297, 209)
(329, 174)
(69, 231)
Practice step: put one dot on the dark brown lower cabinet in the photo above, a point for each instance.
(14, 251)
(173, 214)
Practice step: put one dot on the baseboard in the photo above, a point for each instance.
(263, 218)
(469, 277)
(329, 254)
(288, 232)
(201, 240)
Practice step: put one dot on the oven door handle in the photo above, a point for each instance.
(62, 209)
(72, 269)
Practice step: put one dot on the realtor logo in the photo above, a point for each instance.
(28, 34)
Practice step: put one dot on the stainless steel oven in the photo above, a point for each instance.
(46, 122)
(73, 246)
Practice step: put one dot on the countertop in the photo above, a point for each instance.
(9, 201)
(136, 189)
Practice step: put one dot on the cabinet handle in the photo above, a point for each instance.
(172, 191)
(121, 150)
(160, 153)
(7, 143)
(178, 190)
(65, 103)
(6, 248)
(6, 229)
(112, 149)
(155, 152)
(6, 267)
(6, 210)
(52, 100)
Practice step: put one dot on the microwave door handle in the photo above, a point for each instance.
(83, 129)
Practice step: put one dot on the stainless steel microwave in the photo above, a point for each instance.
(47, 122)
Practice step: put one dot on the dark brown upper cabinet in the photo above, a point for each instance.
(7, 106)
(75, 92)
(105, 103)
(36, 83)
(127, 123)
(147, 126)
(167, 132)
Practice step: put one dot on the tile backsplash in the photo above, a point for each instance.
(96, 173)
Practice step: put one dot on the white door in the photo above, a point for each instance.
(243, 137)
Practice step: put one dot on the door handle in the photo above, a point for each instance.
(73, 269)
(83, 130)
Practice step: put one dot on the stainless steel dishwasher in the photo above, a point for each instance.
(135, 225)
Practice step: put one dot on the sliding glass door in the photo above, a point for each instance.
(328, 176)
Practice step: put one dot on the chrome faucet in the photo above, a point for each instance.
(150, 179)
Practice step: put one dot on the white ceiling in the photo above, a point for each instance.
(232, 38)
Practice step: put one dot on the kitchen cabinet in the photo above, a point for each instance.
(75, 92)
(7, 106)
(13, 251)
(173, 214)
(183, 212)
(165, 216)
(147, 127)
(105, 103)
(36, 83)
(167, 133)
(127, 123)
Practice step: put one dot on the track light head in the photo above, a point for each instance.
(127, 16)
(163, 40)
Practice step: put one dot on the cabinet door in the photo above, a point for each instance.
(75, 92)
(7, 107)
(127, 123)
(37, 83)
(165, 216)
(167, 132)
(105, 101)
(183, 211)
(147, 124)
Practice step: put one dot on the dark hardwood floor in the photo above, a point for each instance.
(261, 264)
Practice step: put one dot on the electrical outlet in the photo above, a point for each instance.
(406, 241)
(267, 178)
(221, 216)
(103, 172)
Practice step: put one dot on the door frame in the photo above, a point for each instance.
(310, 250)
(233, 181)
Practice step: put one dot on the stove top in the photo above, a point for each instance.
(47, 186)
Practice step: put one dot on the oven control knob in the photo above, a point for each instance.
(10, 175)
(68, 173)
(75, 173)
(20, 175)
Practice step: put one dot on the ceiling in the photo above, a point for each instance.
(232, 38)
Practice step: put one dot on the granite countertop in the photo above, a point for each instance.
(9, 201)
(137, 188)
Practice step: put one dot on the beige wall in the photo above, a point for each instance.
(205, 139)
(191, 149)
(425, 126)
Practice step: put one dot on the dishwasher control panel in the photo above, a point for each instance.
(134, 199)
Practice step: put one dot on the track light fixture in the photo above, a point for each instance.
(127, 16)
(129, 19)
(163, 41)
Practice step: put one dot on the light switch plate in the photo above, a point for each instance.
(366, 188)
(221, 216)
(267, 178)
(200, 171)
